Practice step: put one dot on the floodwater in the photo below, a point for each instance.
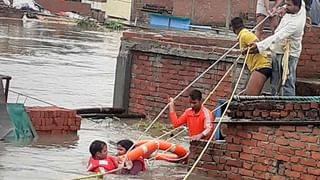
(69, 68)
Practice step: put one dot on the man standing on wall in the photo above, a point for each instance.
(286, 45)
(198, 119)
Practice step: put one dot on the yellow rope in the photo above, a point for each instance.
(216, 128)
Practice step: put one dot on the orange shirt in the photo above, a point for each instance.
(202, 122)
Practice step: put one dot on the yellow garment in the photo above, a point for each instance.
(254, 61)
(285, 62)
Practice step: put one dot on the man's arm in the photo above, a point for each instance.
(282, 34)
(176, 122)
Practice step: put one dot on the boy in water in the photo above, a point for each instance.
(131, 167)
(100, 161)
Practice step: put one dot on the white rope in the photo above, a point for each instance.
(216, 128)
(223, 77)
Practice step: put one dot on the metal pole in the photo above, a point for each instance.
(6, 92)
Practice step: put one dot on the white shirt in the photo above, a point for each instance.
(291, 27)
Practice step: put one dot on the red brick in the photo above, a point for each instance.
(308, 177)
(282, 141)
(246, 172)
(261, 137)
(308, 162)
(314, 105)
(313, 147)
(287, 128)
(233, 147)
(292, 174)
(278, 178)
(248, 142)
(261, 175)
(245, 135)
(246, 156)
(314, 171)
(289, 106)
(302, 153)
(303, 129)
(265, 145)
(284, 113)
(246, 165)
(298, 168)
(282, 157)
(294, 159)
(305, 106)
(293, 135)
(311, 139)
(275, 114)
(315, 155)
(316, 131)
(235, 163)
(285, 150)
(266, 130)
(260, 167)
(265, 114)
(297, 144)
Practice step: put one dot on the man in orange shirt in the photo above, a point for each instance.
(198, 119)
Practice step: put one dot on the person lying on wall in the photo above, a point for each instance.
(257, 63)
(197, 118)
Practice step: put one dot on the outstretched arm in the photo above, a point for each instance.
(176, 122)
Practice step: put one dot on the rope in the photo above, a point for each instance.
(218, 84)
(281, 98)
(162, 111)
(45, 102)
(220, 120)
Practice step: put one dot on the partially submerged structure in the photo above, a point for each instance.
(266, 137)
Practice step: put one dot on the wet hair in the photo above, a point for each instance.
(96, 146)
(237, 23)
(195, 94)
(126, 143)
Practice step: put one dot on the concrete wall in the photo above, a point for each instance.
(120, 9)
(265, 140)
(153, 67)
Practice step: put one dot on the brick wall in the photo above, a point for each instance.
(275, 111)
(309, 62)
(265, 140)
(276, 152)
(54, 120)
(56, 6)
(161, 66)
(206, 12)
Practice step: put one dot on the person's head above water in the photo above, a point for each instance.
(98, 150)
(123, 146)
